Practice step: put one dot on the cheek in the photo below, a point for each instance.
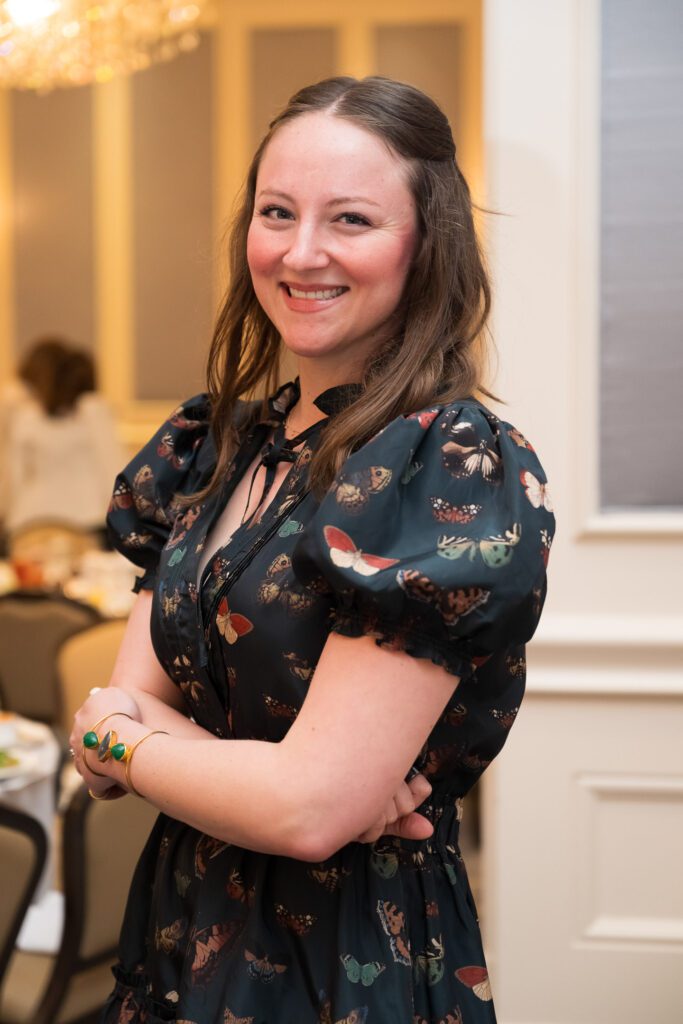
(261, 254)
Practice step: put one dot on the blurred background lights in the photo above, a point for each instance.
(45, 44)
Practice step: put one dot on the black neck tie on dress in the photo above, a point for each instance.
(280, 449)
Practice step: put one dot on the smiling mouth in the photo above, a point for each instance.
(314, 293)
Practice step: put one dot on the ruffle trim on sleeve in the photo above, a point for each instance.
(397, 637)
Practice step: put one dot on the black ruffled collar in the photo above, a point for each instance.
(330, 402)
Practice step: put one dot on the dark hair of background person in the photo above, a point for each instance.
(57, 374)
(436, 349)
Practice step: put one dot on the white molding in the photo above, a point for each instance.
(640, 929)
(620, 632)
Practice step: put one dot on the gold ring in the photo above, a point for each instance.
(94, 796)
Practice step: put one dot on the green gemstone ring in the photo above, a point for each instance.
(91, 740)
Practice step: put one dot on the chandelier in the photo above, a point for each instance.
(50, 43)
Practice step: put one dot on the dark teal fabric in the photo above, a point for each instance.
(434, 540)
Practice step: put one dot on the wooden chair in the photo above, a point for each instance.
(33, 625)
(72, 986)
(23, 849)
(86, 660)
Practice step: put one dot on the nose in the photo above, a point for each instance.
(306, 250)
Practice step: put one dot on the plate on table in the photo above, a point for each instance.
(25, 762)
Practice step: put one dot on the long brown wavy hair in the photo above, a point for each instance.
(432, 354)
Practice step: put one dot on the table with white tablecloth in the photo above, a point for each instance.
(30, 786)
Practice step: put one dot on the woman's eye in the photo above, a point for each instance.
(354, 218)
(275, 213)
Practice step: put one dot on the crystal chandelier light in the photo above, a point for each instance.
(50, 43)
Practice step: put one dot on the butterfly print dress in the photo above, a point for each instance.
(433, 539)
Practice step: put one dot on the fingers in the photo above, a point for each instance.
(410, 826)
(421, 788)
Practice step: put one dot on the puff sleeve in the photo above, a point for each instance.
(434, 538)
(178, 460)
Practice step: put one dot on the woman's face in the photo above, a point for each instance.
(331, 240)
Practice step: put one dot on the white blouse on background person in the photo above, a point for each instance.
(56, 467)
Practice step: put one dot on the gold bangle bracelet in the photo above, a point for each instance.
(95, 727)
(129, 758)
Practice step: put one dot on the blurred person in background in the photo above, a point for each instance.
(58, 442)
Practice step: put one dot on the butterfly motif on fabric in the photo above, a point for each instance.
(182, 882)
(329, 878)
(476, 978)
(466, 454)
(135, 540)
(474, 763)
(430, 963)
(505, 718)
(356, 972)
(261, 968)
(496, 551)
(296, 600)
(177, 557)
(143, 489)
(454, 1017)
(456, 715)
(193, 690)
(300, 924)
(290, 528)
(298, 666)
(546, 544)
(237, 890)
(452, 605)
(393, 922)
(178, 419)
(122, 497)
(230, 1018)
(444, 512)
(358, 1015)
(431, 908)
(346, 555)
(231, 625)
(425, 418)
(208, 946)
(182, 526)
(538, 493)
(166, 450)
(170, 604)
(129, 1009)
(276, 709)
(206, 849)
(516, 666)
(384, 863)
(353, 490)
(520, 439)
(166, 939)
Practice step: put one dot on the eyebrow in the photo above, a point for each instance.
(341, 201)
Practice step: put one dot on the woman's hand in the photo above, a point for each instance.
(110, 701)
(399, 817)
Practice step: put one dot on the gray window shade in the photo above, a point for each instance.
(641, 307)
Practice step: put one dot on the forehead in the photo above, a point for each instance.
(332, 155)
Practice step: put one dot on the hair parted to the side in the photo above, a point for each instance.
(431, 355)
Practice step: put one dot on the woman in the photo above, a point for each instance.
(59, 444)
(337, 589)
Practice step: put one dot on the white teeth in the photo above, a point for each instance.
(329, 293)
